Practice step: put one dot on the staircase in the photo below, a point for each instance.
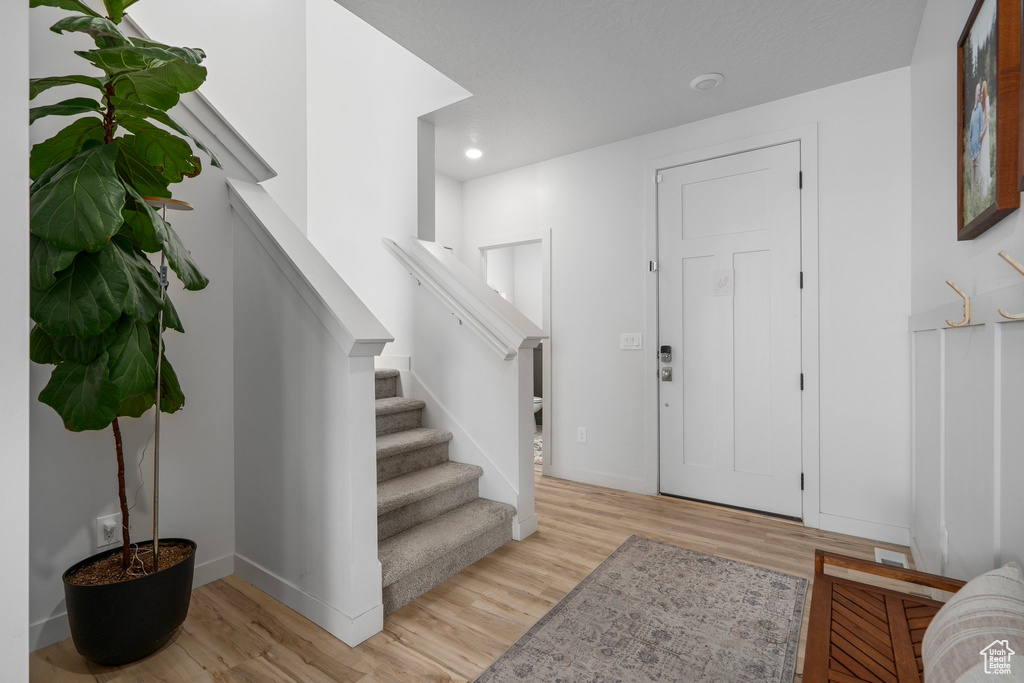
(431, 521)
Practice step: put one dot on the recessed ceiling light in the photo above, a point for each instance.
(707, 81)
(474, 153)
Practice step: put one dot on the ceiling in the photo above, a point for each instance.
(551, 77)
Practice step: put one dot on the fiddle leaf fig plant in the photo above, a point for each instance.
(95, 294)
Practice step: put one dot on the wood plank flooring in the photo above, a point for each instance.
(234, 632)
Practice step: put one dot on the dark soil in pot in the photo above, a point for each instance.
(117, 623)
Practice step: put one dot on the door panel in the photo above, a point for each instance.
(729, 305)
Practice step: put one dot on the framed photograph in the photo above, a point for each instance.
(988, 116)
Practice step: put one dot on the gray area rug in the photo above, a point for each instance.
(656, 612)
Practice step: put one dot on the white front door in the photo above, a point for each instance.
(729, 306)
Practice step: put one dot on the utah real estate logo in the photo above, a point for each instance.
(997, 658)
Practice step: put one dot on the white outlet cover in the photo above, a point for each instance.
(101, 522)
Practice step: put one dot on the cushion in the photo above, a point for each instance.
(979, 632)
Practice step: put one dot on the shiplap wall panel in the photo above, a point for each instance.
(927, 517)
(969, 463)
(1011, 469)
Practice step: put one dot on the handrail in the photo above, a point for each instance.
(495, 321)
(342, 313)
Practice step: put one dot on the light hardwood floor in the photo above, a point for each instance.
(234, 632)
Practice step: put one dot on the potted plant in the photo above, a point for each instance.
(99, 304)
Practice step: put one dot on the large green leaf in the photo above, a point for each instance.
(149, 229)
(84, 351)
(45, 260)
(79, 206)
(128, 113)
(192, 55)
(64, 145)
(117, 60)
(147, 87)
(115, 9)
(40, 85)
(82, 395)
(72, 5)
(146, 226)
(87, 297)
(171, 397)
(40, 347)
(180, 260)
(167, 153)
(142, 300)
(171, 319)
(75, 105)
(139, 173)
(97, 27)
(132, 358)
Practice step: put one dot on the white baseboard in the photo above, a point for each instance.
(522, 528)
(54, 629)
(348, 629)
(607, 481)
(864, 529)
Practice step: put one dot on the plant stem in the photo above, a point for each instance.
(108, 115)
(126, 540)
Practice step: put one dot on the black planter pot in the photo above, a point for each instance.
(122, 622)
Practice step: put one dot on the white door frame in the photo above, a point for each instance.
(509, 240)
(807, 135)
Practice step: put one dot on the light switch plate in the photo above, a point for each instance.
(631, 341)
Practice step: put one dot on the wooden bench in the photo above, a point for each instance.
(860, 632)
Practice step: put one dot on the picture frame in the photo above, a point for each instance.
(989, 103)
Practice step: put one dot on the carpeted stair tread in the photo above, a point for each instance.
(410, 440)
(410, 488)
(398, 404)
(417, 547)
(385, 373)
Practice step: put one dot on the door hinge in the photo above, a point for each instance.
(658, 177)
(801, 279)
(801, 381)
(652, 266)
(801, 481)
(801, 180)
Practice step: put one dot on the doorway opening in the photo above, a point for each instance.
(519, 270)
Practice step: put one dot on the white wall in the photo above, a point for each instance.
(448, 208)
(305, 472)
(967, 436)
(362, 163)
(14, 365)
(73, 476)
(593, 202)
(257, 77)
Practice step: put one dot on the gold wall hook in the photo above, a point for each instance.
(1020, 269)
(967, 306)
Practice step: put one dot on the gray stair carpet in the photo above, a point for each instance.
(430, 553)
(431, 522)
(396, 414)
(386, 381)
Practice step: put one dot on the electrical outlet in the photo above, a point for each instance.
(108, 530)
(581, 434)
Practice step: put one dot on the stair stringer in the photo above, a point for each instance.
(494, 485)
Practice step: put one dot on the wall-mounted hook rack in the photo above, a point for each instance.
(1020, 269)
(967, 306)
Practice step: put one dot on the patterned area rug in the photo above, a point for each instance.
(655, 612)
